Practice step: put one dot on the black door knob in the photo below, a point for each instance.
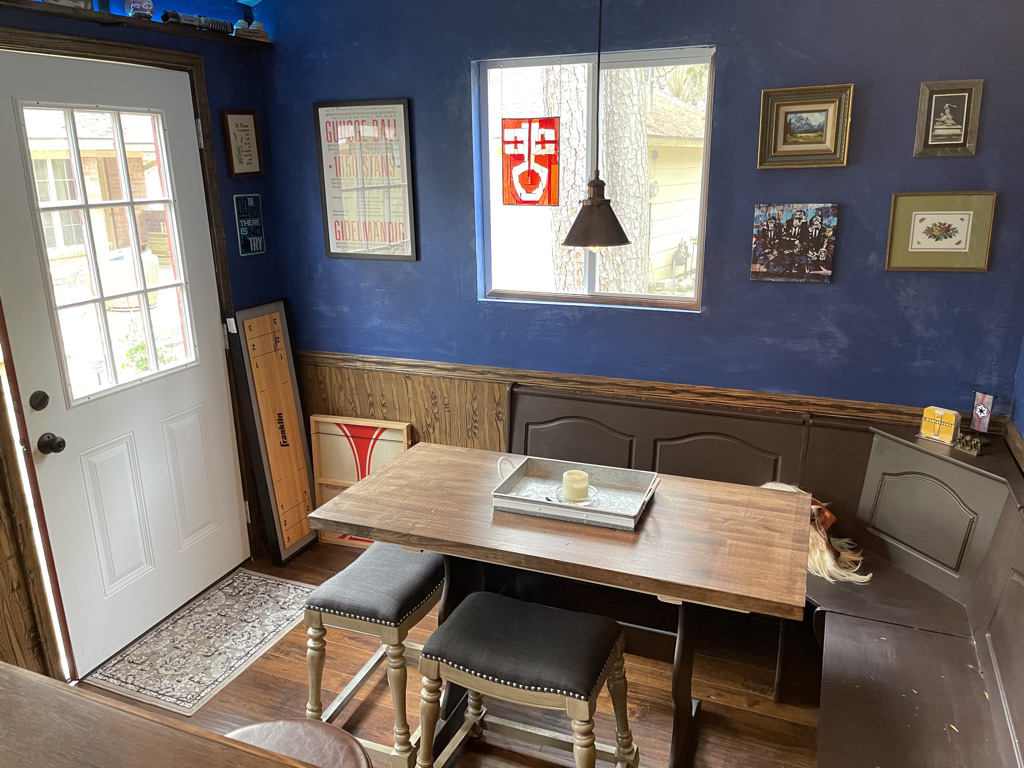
(51, 443)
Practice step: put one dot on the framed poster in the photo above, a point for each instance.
(365, 179)
(943, 231)
(947, 118)
(242, 138)
(805, 127)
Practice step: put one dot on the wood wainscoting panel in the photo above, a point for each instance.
(451, 410)
(632, 389)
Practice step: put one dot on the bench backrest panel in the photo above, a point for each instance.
(928, 514)
(745, 448)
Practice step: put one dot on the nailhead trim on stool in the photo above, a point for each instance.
(525, 645)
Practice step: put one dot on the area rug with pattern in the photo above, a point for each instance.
(186, 659)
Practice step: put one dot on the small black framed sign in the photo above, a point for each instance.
(947, 118)
(249, 223)
(366, 179)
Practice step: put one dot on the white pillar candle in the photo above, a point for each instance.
(575, 485)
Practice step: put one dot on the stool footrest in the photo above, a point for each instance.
(331, 712)
(542, 737)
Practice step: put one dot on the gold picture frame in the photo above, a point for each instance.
(940, 231)
(806, 127)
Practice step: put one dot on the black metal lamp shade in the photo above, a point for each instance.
(596, 225)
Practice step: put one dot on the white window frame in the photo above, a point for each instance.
(682, 56)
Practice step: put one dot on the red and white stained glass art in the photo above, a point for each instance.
(529, 166)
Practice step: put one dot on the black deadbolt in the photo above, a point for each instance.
(38, 400)
(50, 443)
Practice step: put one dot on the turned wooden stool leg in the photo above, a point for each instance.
(475, 712)
(315, 652)
(402, 755)
(583, 750)
(625, 751)
(430, 708)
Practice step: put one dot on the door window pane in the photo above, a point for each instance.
(70, 271)
(101, 162)
(114, 253)
(159, 262)
(146, 168)
(50, 152)
(85, 352)
(128, 337)
(169, 327)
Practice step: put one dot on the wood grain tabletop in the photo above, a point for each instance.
(731, 546)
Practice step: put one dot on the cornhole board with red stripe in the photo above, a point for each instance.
(345, 450)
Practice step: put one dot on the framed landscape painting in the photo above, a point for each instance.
(943, 231)
(805, 127)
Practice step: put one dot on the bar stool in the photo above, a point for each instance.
(385, 592)
(315, 743)
(528, 654)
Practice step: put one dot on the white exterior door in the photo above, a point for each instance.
(108, 289)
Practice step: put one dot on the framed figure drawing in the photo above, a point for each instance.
(947, 118)
(805, 127)
(940, 231)
(366, 179)
(242, 137)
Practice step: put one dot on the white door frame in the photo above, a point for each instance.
(192, 64)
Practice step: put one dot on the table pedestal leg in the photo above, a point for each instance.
(685, 707)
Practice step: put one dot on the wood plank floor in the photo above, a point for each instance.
(734, 672)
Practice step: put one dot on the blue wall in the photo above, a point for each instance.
(234, 79)
(907, 338)
(1018, 393)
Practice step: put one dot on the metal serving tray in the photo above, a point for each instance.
(617, 498)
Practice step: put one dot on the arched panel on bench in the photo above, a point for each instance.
(716, 456)
(930, 515)
(924, 515)
(579, 439)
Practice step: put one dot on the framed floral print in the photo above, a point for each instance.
(944, 231)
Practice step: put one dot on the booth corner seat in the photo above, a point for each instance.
(384, 593)
(529, 654)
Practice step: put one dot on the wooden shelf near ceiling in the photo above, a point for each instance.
(130, 22)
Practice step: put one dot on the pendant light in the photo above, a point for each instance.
(596, 226)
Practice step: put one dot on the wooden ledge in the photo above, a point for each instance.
(115, 20)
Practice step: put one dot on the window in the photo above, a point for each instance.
(655, 109)
(106, 213)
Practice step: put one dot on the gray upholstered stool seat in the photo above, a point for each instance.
(384, 585)
(529, 654)
(310, 741)
(525, 645)
(385, 592)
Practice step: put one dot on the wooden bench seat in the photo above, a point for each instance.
(892, 596)
(896, 697)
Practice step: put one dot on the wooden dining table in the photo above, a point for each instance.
(730, 546)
